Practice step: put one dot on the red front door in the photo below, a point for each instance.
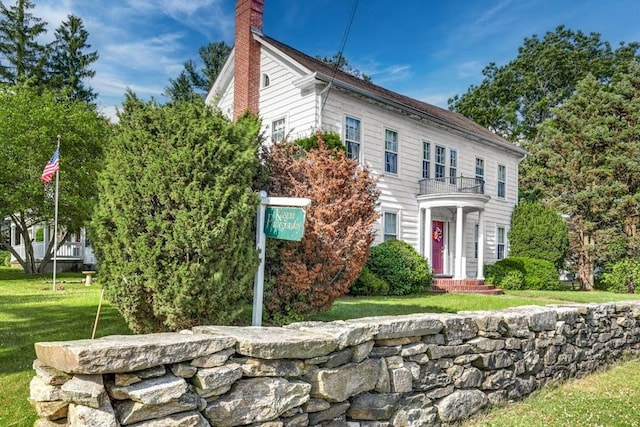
(437, 246)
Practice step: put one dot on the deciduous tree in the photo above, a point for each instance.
(30, 120)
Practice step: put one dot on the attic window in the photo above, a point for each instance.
(265, 80)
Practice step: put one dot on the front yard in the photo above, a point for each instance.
(31, 312)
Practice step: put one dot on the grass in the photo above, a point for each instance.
(609, 398)
(30, 312)
(351, 308)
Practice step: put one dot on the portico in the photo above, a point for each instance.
(444, 211)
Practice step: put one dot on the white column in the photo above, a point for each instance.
(480, 245)
(464, 245)
(459, 231)
(427, 235)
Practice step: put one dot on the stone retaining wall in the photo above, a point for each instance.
(412, 370)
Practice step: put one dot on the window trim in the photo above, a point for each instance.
(453, 165)
(284, 129)
(358, 142)
(503, 182)
(384, 223)
(443, 164)
(426, 159)
(476, 238)
(503, 243)
(387, 151)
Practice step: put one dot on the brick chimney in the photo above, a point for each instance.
(247, 57)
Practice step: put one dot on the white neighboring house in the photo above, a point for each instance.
(74, 254)
(448, 185)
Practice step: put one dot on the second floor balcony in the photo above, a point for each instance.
(453, 185)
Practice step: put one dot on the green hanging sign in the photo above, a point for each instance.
(284, 223)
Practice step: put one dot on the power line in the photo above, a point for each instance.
(345, 36)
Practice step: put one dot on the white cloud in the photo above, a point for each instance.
(469, 69)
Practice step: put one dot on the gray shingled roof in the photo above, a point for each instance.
(450, 118)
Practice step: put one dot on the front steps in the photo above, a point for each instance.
(466, 286)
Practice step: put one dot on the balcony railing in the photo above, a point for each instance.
(451, 185)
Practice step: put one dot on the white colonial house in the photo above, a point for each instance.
(448, 185)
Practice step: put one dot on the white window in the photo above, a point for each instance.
(352, 138)
(390, 151)
(453, 166)
(476, 233)
(500, 243)
(502, 181)
(426, 159)
(265, 80)
(440, 162)
(277, 130)
(390, 225)
(479, 170)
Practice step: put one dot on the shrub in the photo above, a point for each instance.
(306, 277)
(368, 284)
(398, 264)
(5, 258)
(538, 232)
(513, 280)
(540, 274)
(522, 273)
(622, 276)
(331, 140)
(174, 226)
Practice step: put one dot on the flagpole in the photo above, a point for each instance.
(55, 223)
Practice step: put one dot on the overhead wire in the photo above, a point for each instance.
(345, 37)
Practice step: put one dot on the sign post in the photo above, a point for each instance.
(278, 218)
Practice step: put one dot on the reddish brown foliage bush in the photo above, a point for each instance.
(308, 276)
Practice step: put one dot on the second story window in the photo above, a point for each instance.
(453, 166)
(426, 159)
(440, 162)
(479, 170)
(502, 181)
(390, 151)
(277, 130)
(352, 138)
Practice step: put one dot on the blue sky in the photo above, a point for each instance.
(426, 49)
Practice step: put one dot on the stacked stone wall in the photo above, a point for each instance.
(412, 370)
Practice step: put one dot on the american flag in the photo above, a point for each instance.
(52, 167)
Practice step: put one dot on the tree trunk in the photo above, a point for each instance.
(586, 262)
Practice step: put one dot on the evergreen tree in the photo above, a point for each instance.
(21, 55)
(173, 228)
(70, 64)
(538, 232)
(193, 82)
(590, 153)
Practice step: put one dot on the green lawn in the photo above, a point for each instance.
(30, 311)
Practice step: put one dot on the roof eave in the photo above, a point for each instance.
(505, 145)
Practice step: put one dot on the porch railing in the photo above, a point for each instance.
(451, 185)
